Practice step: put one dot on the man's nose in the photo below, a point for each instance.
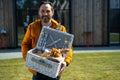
(45, 13)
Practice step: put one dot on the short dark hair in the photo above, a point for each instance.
(46, 2)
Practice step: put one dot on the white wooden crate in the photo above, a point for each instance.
(49, 38)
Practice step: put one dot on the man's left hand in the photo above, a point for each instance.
(63, 65)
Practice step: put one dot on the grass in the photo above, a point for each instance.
(92, 66)
(102, 66)
(13, 69)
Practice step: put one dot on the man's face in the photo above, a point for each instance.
(45, 12)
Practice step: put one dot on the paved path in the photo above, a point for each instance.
(16, 53)
(10, 53)
(96, 49)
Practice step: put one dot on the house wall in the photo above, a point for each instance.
(7, 21)
(89, 22)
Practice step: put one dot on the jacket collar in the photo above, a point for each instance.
(54, 23)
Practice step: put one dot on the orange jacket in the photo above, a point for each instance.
(31, 38)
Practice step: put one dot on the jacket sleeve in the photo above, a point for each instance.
(68, 58)
(26, 43)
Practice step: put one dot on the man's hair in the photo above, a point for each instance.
(46, 2)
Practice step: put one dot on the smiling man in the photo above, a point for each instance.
(46, 13)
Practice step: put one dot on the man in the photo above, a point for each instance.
(45, 12)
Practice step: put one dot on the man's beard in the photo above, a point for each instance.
(45, 19)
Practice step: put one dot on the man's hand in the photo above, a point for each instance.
(63, 65)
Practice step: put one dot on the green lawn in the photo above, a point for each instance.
(92, 66)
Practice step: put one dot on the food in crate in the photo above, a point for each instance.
(53, 54)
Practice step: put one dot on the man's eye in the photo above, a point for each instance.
(42, 11)
(48, 11)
